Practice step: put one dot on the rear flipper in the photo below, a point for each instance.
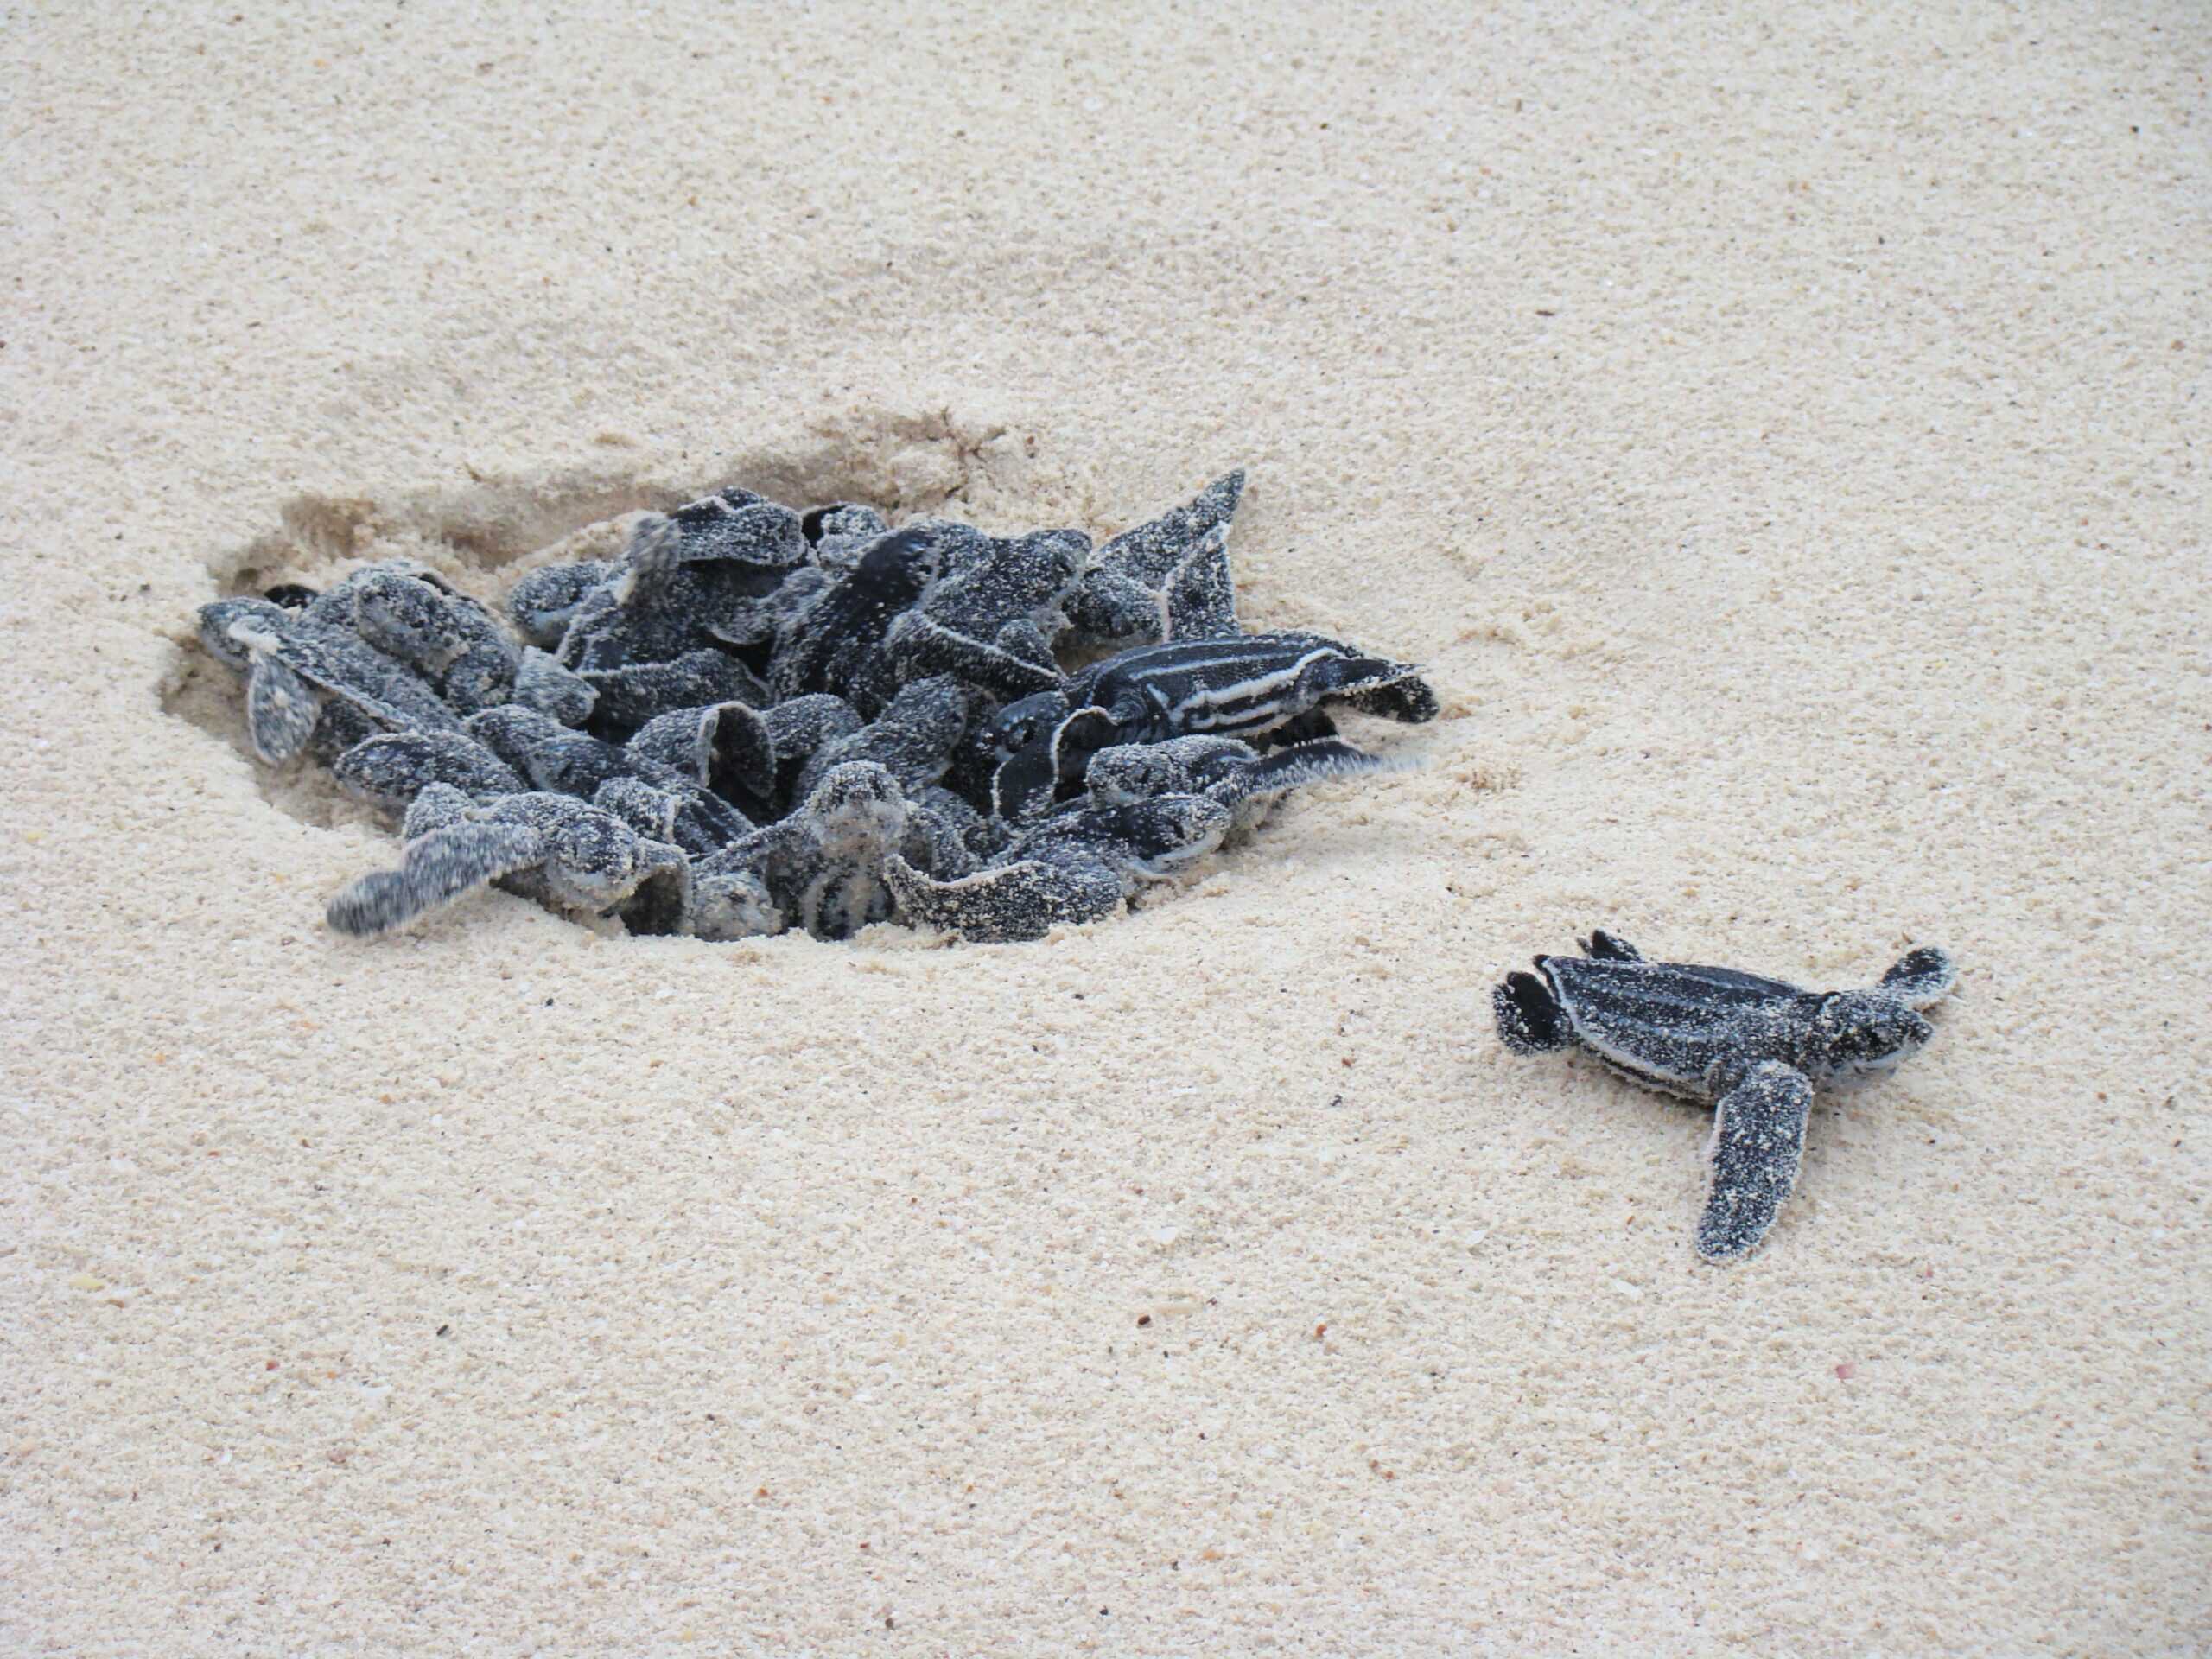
(435, 870)
(1758, 1143)
(1602, 946)
(1198, 598)
(1921, 977)
(1530, 1018)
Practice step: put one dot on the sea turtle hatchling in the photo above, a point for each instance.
(1150, 809)
(392, 768)
(1230, 770)
(1753, 1048)
(555, 759)
(307, 680)
(408, 612)
(990, 618)
(1074, 868)
(562, 852)
(831, 632)
(1244, 687)
(685, 579)
(822, 867)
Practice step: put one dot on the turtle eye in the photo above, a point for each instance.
(1019, 724)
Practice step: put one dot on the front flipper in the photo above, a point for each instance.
(1016, 901)
(663, 901)
(1921, 977)
(1198, 598)
(752, 755)
(1602, 946)
(1284, 770)
(435, 870)
(1758, 1142)
(1023, 786)
(1530, 1018)
(280, 710)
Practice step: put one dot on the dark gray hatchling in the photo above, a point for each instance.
(410, 611)
(990, 618)
(913, 738)
(1753, 1048)
(555, 759)
(564, 853)
(831, 629)
(1250, 686)
(822, 867)
(1225, 768)
(687, 579)
(309, 681)
(1074, 868)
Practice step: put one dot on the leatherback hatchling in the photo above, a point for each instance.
(1244, 686)
(564, 853)
(1752, 1048)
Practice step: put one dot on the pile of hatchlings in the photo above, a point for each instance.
(757, 719)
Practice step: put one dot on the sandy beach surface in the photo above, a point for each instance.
(1781, 431)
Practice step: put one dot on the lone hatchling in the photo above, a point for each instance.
(1752, 1048)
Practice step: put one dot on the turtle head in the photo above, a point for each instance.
(592, 861)
(1024, 721)
(1866, 1031)
(408, 618)
(858, 806)
(1165, 834)
(1129, 772)
(229, 628)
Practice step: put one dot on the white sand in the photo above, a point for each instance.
(1781, 432)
